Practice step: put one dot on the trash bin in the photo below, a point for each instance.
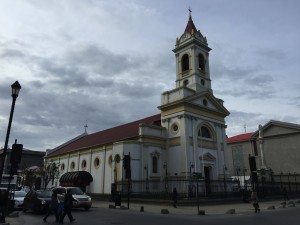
(117, 198)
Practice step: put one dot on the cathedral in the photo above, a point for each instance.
(187, 138)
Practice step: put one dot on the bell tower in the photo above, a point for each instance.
(192, 59)
(193, 117)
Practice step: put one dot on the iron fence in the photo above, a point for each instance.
(187, 188)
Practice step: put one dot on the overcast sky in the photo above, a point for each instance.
(107, 62)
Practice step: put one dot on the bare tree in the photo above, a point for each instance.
(50, 172)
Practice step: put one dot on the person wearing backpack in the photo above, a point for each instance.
(52, 207)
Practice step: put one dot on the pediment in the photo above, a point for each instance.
(274, 128)
(208, 157)
(208, 101)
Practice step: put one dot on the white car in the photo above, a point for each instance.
(19, 199)
(81, 199)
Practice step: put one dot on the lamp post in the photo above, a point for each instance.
(147, 181)
(238, 176)
(190, 184)
(245, 184)
(191, 167)
(224, 172)
(15, 88)
(166, 176)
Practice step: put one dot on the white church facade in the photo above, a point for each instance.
(188, 136)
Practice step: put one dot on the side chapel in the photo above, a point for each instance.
(187, 137)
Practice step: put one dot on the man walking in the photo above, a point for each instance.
(68, 203)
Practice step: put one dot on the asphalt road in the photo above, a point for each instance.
(101, 216)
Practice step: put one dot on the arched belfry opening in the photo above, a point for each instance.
(185, 63)
(201, 61)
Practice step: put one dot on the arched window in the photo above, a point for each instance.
(154, 164)
(72, 167)
(185, 64)
(204, 132)
(201, 62)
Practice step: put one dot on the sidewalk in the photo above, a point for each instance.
(240, 208)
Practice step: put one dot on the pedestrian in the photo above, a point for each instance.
(3, 205)
(254, 200)
(174, 197)
(52, 208)
(68, 203)
(285, 194)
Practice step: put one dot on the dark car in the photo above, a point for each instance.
(37, 200)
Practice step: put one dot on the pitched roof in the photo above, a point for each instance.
(240, 137)
(190, 26)
(119, 133)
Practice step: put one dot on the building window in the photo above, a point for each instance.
(154, 164)
(83, 164)
(117, 158)
(62, 167)
(174, 128)
(110, 160)
(185, 64)
(72, 167)
(96, 162)
(201, 62)
(204, 132)
(185, 82)
(204, 102)
(202, 82)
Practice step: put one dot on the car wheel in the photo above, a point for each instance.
(87, 208)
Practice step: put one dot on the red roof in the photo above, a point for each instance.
(190, 26)
(240, 137)
(119, 133)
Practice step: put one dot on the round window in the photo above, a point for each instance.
(72, 165)
(185, 82)
(96, 162)
(83, 164)
(174, 128)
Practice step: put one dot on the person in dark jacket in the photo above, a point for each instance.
(52, 207)
(68, 203)
(174, 197)
(3, 205)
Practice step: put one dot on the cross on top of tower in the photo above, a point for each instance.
(85, 126)
(190, 11)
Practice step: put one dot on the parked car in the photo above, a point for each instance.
(19, 199)
(37, 200)
(82, 200)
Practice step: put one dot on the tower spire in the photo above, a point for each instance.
(190, 27)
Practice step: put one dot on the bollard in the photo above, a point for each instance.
(142, 209)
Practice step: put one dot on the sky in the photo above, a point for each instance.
(106, 63)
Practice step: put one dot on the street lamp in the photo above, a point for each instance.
(224, 172)
(166, 177)
(191, 167)
(147, 181)
(15, 88)
(245, 184)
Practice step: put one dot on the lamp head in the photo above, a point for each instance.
(15, 88)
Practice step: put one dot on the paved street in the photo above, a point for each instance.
(100, 214)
